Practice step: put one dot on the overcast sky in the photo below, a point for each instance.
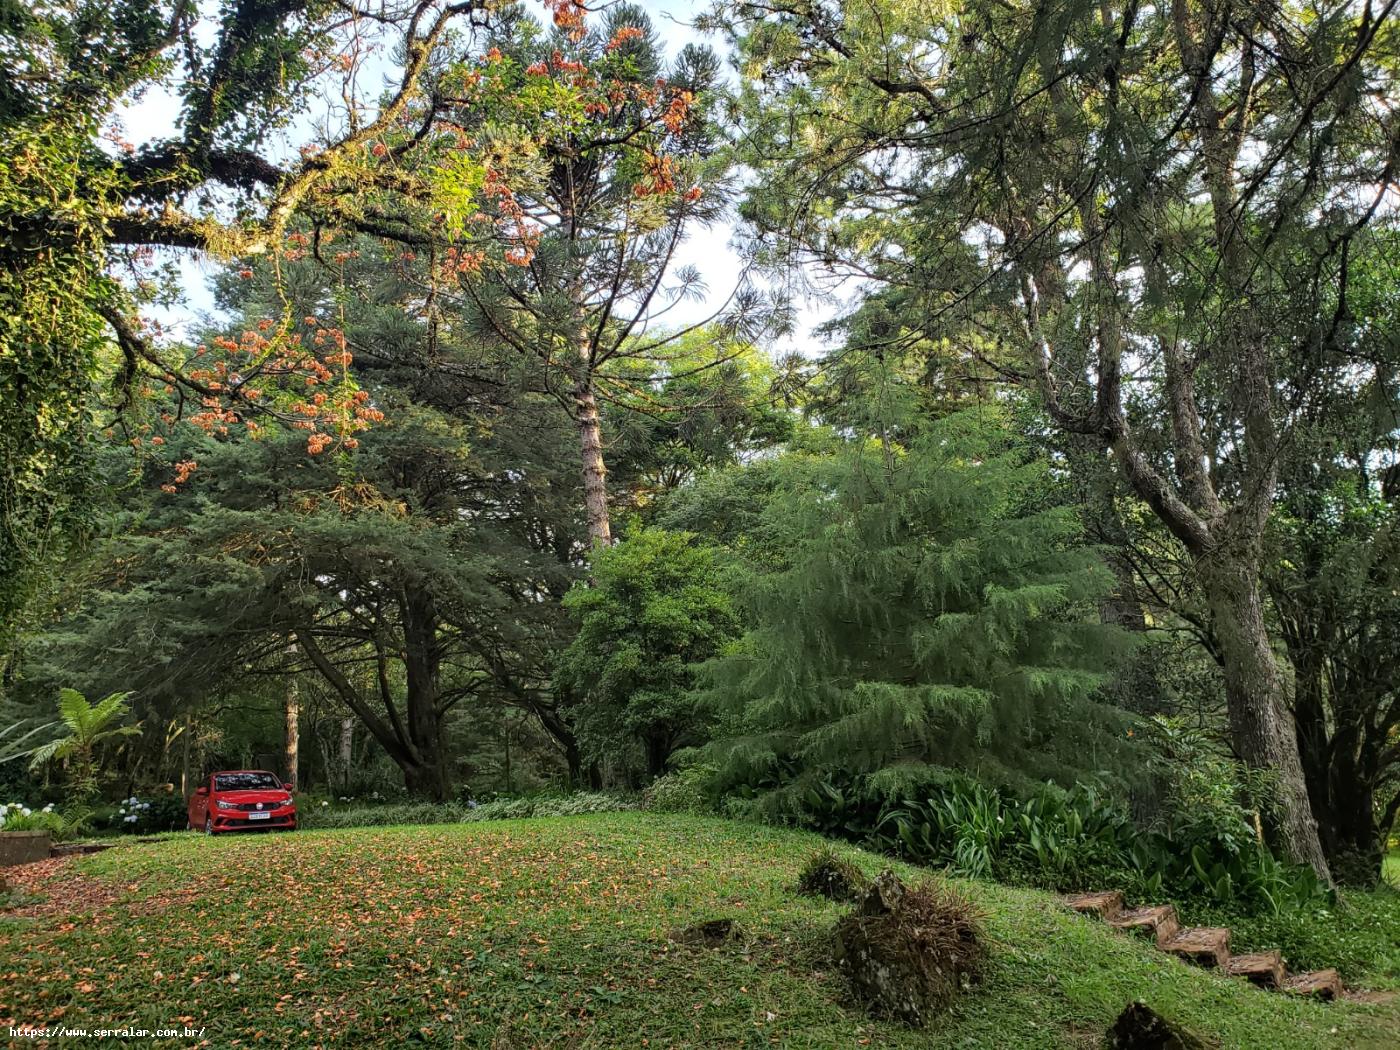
(153, 116)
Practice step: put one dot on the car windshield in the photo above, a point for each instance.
(246, 782)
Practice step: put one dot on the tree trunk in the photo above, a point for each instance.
(185, 786)
(1310, 722)
(658, 749)
(1261, 725)
(1356, 848)
(428, 772)
(292, 737)
(573, 758)
(347, 749)
(595, 488)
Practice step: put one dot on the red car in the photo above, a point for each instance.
(241, 800)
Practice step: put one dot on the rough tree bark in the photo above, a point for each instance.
(595, 474)
(292, 737)
(347, 749)
(291, 717)
(1261, 725)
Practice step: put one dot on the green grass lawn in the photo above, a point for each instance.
(1391, 868)
(554, 933)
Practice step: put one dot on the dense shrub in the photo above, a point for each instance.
(551, 806)
(15, 816)
(685, 791)
(372, 816)
(138, 816)
(367, 816)
(1060, 840)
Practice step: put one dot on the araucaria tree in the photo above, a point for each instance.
(1147, 205)
(575, 165)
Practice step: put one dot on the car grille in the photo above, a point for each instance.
(249, 807)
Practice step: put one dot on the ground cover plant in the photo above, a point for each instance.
(362, 815)
(555, 931)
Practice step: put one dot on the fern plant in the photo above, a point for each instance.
(15, 745)
(88, 725)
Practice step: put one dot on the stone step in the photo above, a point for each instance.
(1323, 984)
(1263, 968)
(1158, 920)
(1205, 945)
(1202, 945)
(1105, 905)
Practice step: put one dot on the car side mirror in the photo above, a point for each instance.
(201, 791)
(287, 787)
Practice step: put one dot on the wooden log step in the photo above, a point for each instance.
(1323, 984)
(1263, 968)
(1202, 945)
(1107, 905)
(1158, 920)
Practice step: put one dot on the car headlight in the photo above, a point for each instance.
(227, 805)
(289, 802)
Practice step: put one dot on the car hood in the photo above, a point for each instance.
(267, 795)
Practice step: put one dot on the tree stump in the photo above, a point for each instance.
(909, 951)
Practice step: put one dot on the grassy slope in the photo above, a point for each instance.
(434, 935)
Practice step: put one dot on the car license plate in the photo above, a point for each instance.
(259, 816)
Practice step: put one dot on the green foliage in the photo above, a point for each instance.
(1063, 840)
(687, 790)
(368, 816)
(49, 346)
(15, 744)
(1357, 934)
(828, 874)
(573, 805)
(60, 825)
(89, 726)
(655, 609)
(930, 609)
(313, 816)
(138, 816)
(1208, 794)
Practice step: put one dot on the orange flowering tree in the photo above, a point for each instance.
(567, 165)
(277, 369)
(541, 184)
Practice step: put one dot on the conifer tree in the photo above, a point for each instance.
(1148, 204)
(931, 612)
(579, 162)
